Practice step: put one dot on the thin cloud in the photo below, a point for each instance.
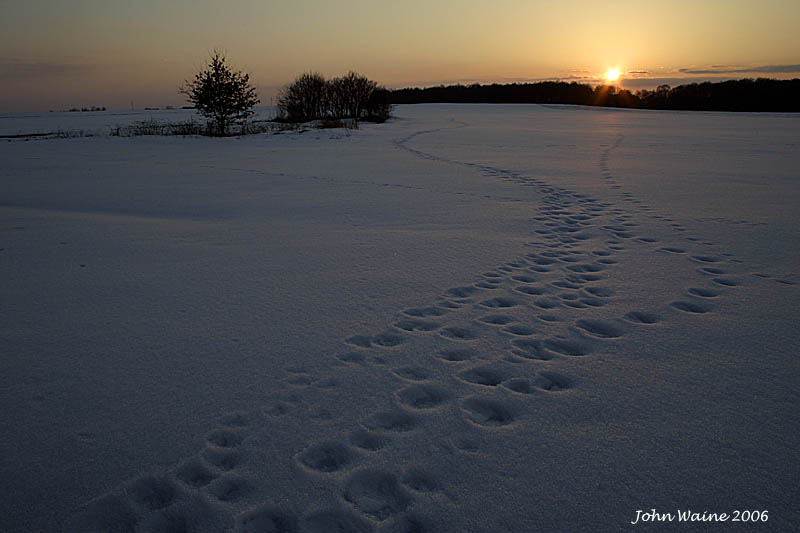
(570, 78)
(766, 69)
(638, 72)
(15, 68)
(483, 80)
(651, 83)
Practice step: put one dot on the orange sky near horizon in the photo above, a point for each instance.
(56, 55)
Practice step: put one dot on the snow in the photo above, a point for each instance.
(470, 318)
(98, 123)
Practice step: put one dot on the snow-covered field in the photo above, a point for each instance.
(471, 318)
(94, 123)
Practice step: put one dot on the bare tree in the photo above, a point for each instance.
(305, 99)
(352, 96)
(355, 91)
(337, 97)
(222, 95)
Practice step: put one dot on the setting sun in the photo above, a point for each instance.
(612, 74)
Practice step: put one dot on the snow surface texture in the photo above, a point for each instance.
(471, 318)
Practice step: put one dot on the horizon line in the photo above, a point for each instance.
(637, 83)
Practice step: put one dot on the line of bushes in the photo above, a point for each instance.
(353, 96)
(193, 127)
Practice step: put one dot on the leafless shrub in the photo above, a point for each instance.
(153, 127)
(304, 99)
(312, 97)
(191, 127)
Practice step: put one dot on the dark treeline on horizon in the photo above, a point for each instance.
(735, 95)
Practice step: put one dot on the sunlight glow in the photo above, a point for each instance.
(612, 74)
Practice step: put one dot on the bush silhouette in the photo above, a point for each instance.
(353, 96)
(222, 95)
(305, 99)
(378, 107)
(352, 93)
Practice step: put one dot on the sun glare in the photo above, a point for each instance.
(612, 74)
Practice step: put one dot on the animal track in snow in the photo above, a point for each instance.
(552, 382)
(267, 518)
(691, 307)
(423, 312)
(600, 328)
(546, 303)
(416, 325)
(519, 385)
(520, 330)
(420, 481)
(483, 376)
(456, 355)
(500, 302)
(359, 340)
(224, 460)
(388, 340)
(642, 317)
(459, 333)
(489, 412)
(549, 318)
(726, 282)
(326, 457)
(703, 293)
(530, 291)
(602, 292)
(195, 474)
(586, 267)
(393, 420)
(368, 441)
(706, 259)
(422, 396)
(497, 320)
(152, 492)
(352, 357)
(334, 520)
(222, 438)
(230, 488)
(413, 373)
(462, 292)
(377, 494)
(672, 250)
(549, 348)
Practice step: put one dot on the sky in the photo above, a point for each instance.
(57, 54)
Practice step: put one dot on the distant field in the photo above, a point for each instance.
(98, 122)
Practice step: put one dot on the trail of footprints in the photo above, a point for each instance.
(492, 347)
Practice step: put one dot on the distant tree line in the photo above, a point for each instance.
(353, 96)
(86, 109)
(735, 95)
